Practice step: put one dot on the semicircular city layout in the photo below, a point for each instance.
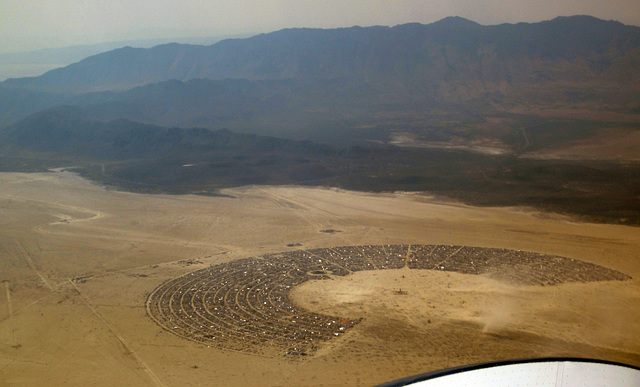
(244, 305)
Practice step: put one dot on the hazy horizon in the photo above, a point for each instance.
(28, 62)
(30, 25)
(37, 62)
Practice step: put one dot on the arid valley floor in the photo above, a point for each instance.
(79, 262)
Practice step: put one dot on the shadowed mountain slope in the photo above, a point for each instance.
(66, 130)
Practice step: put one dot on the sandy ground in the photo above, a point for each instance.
(77, 263)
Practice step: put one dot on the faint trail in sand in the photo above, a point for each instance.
(10, 316)
(279, 199)
(124, 343)
(95, 214)
(27, 306)
(314, 210)
(27, 258)
(69, 355)
(309, 207)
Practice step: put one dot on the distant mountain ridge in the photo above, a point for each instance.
(27, 63)
(453, 50)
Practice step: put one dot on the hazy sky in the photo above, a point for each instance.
(33, 24)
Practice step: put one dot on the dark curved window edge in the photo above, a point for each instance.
(472, 367)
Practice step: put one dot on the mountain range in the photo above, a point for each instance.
(579, 48)
(453, 107)
(295, 82)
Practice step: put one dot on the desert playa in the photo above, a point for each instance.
(78, 264)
